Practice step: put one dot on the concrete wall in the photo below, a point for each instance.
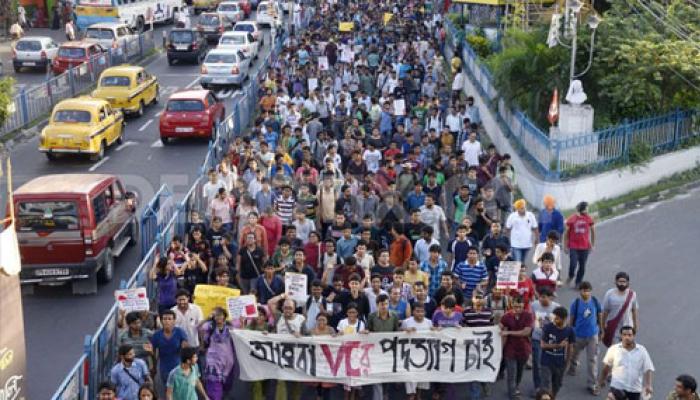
(589, 188)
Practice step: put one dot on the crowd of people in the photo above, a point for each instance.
(365, 172)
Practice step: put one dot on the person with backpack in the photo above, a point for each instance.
(587, 321)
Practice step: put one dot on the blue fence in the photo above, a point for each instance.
(161, 219)
(31, 104)
(559, 158)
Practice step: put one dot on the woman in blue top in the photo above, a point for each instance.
(398, 305)
(164, 275)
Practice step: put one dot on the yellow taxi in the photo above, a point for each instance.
(129, 88)
(204, 5)
(83, 125)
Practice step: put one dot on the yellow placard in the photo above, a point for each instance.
(207, 297)
(346, 26)
(387, 17)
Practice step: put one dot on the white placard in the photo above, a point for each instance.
(399, 107)
(508, 273)
(242, 306)
(295, 287)
(313, 84)
(323, 63)
(135, 299)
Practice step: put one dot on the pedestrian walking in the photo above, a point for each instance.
(557, 345)
(620, 308)
(579, 239)
(630, 367)
(516, 329)
(587, 321)
(686, 389)
(184, 381)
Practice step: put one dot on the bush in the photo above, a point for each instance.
(480, 45)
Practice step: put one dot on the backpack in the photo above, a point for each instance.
(596, 304)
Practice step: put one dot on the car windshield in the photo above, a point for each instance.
(72, 116)
(233, 39)
(228, 7)
(181, 36)
(28, 45)
(47, 215)
(262, 8)
(99, 33)
(71, 52)
(209, 20)
(115, 81)
(244, 28)
(185, 105)
(219, 58)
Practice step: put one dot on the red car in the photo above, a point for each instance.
(191, 113)
(72, 54)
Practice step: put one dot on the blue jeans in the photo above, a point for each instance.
(520, 254)
(475, 390)
(536, 355)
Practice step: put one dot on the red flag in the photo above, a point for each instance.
(553, 114)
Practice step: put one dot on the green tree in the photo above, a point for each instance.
(6, 93)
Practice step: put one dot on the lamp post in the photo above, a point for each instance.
(573, 10)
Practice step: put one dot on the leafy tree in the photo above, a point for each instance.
(5, 98)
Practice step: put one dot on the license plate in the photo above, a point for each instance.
(29, 64)
(183, 129)
(218, 80)
(52, 272)
(181, 47)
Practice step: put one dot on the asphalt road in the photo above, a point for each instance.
(56, 322)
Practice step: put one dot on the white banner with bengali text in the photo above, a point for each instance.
(448, 355)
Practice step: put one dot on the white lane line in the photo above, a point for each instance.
(144, 126)
(97, 165)
(156, 144)
(158, 113)
(194, 82)
(125, 144)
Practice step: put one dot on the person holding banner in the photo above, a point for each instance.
(417, 323)
(516, 328)
(220, 358)
(381, 321)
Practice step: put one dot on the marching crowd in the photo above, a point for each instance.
(365, 172)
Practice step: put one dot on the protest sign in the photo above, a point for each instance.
(346, 26)
(313, 84)
(399, 107)
(507, 277)
(295, 286)
(242, 306)
(130, 300)
(387, 17)
(207, 297)
(448, 355)
(323, 63)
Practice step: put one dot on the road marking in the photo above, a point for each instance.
(194, 82)
(156, 144)
(158, 113)
(126, 144)
(97, 165)
(149, 157)
(144, 126)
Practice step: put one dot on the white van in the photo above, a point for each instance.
(270, 14)
(113, 35)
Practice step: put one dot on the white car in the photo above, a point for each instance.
(224, 67)
(34, 52)
(230, 10)
(270, 14)
(252, 28)
(242, 41)
(112, 35)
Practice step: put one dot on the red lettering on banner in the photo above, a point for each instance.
(345, 353)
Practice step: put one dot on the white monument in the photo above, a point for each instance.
(576, 121)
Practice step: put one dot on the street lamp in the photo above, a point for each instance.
(574, 10)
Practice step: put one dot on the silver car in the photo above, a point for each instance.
(224, 67)
(112, 35)
(34, 52)
(230, 10)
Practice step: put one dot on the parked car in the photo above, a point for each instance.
(269, 14)
(70, 228)
(71, 54)
(204, 5)
(34, 52)
(113, 35)
(129, 88)
(186, 45)
(192, 113)
(82, 125)
(252, 28)
(213, 25)
(243, 41)
(230, 10)
(224, 67)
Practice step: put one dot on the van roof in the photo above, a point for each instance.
(63, 183)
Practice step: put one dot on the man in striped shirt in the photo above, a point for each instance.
(478, 315)
(471, 273)
(284, 205)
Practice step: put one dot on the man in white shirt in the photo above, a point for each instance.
(372, 158)
(522, 228)
(211, 188)
(457, 85)
(417, 323)
(453, 122)
(422, 246)
(434, 216)
(187, 317)
(472, 150)
(630, 366)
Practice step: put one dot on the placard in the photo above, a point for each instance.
(295, 286)
(387, 17)
(399, 107)
(313, 84)
(507, 277)
(207, 297)
(242, 306)
(346, 26)
(448, 355)
(135, 299)
(323, 63)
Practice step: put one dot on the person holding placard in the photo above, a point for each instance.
(220, 358)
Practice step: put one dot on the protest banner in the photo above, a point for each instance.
(507, 277)
(323, 63)
(207, 297)
(313, 84)
(346, 26)
(449, 355)
(135, 299)
(295, 286)
(242, 306)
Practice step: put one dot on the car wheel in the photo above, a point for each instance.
(165, 141)
(262, 42)
(100, 154)
(156, 98)
(51, 156)
(120, 139)
(134, 233)
(17, 69)
(139, 112)
(106, 273)
(170, 61)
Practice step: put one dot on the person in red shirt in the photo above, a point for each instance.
(526, 289)
(400, 250)
(273, 227)
(579, 239)
(516, 327)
